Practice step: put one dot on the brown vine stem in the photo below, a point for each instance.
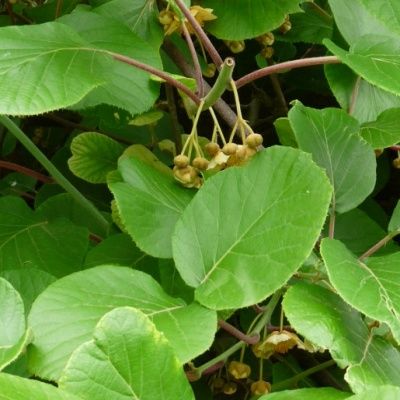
(196, 63)
(211, 50)
(253, 339)
(161, 74)
(301, 63)
(378, 245)
(26, 171)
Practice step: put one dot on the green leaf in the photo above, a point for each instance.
(367, 101)
(126, 87)
(129, 358)
(29, 283)
(370, 286)
(28, 240)
(64, 315)
(285, 132)
(382, 393)
(117, 249)
(331, 136)
(63, 205)
(310, 26)
(139, 15)
(74, 66)
(394, 223)
(93, 156)
(13, 334)
(245, 19)
(236, 232)
(150, 203)
(375, 58)
(309, 394)
(65, 60)
(327, 321)
(16, 388)
(383, 132)
(357, 18)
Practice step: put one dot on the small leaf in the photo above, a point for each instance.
(93, 156)
(245, 19)
(331, 136)
(327, 321)
(235, 232)
(150, 202)
(375, 58)
(16, 388)
(285, 132)
(384, 132)
(129, 358)
(309, 394)
(13, 334)
(370, 286)
(64, 315)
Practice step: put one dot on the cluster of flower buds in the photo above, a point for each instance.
(189, 173)
(266, 40)
(172, 22)
(286, 26)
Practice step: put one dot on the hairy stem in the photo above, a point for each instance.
(54, 172)
(301, 63)
(379, 245)
(161, 74)
(196, 63)
(237, 333)
(26, 171)
(211, 50)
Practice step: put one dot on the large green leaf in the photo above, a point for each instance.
(64, 315)
(126, 87)
(357, 18)
(39, 75)
(28, 240)
(248, 229)
(370, 286)
(129, 358)
(366, 101)
(150, 202)
(45, 75)
(383, 132)
(375, 58)
(16, 388)
(309, 394)
(331, 136)
(245, 19)
(93, 156)
(13, 334)
(326, 320)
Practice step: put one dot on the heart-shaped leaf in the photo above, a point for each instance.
(331, 136)
(129, 358)
(370, 286)
(248, 229)
(93, 156)
(309, 394)
(64, 315)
